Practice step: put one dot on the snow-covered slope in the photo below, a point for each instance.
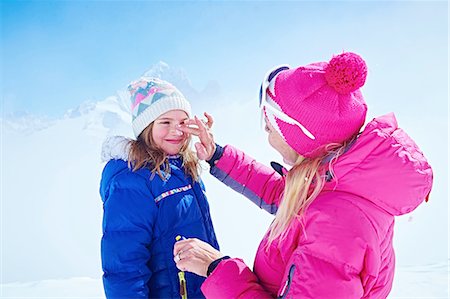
(430, 281)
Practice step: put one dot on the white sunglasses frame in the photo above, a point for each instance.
(278, 113)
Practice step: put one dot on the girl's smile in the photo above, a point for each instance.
(166, 134)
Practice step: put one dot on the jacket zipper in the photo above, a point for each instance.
(287, 286)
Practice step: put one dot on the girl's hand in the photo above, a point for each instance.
(206, 147)
(194, 255)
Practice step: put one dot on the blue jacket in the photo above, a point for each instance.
(142, 216)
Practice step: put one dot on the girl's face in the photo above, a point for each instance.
(165, 133)
(277, 142)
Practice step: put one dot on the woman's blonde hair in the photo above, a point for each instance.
(145, 153)
(304, 182)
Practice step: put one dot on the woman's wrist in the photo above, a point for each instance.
(218, 152)
(213, 265)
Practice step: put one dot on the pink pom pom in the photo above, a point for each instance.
(346, 72)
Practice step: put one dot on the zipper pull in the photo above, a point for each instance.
(183, 290)
(181, 277)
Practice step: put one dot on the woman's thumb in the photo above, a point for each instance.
(201, 151)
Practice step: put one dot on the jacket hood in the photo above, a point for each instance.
(384, 166)
(114, 151)
(115, 147)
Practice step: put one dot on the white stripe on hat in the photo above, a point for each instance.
(152, 112)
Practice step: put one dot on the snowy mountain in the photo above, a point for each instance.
(51, 210)
(25, 122)
(115, 109)
(179, 78)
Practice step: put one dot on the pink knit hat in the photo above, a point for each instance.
(314, 105)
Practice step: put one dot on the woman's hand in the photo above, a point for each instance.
(194, 255)
(206, 147)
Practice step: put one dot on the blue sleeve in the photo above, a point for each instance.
(128, 220)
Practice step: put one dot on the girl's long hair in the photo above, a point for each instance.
(304, 181)
(145, 153)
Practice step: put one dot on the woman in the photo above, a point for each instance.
(334, 209)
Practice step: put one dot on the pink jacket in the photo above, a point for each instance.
(343, 248)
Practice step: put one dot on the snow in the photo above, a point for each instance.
(427, 281)
(77, 287)
(51, 211)
(430, 281)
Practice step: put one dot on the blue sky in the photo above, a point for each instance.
(57, 54)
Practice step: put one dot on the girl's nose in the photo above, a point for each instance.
(176, 131)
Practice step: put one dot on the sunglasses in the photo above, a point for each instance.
(263, 104)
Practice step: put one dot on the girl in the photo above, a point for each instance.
(152, 192)
(334, 209)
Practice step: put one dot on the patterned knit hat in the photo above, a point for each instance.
(151, 97)
(322, 100)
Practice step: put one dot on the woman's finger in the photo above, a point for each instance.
(210, 120)
(204, 135)
(182, 245)
(208, 123)
(201, 125)
(190, 122)
(189, 130)
(194, 255)
(201, 129)
(201, 151)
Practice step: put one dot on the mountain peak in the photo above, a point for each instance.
(179, 78)
(158, 70)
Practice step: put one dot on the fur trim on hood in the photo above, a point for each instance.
(115, 147)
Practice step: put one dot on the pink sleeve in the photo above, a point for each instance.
(306, 276)
(233, 279)
(259, 183)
